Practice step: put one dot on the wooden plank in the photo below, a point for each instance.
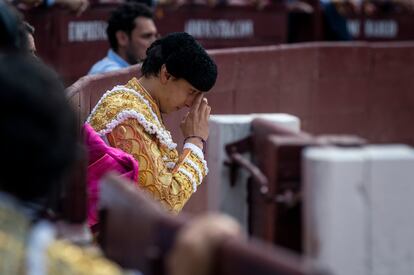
(135, 231)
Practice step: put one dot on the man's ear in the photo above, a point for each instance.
(164, 74)
(122, 38)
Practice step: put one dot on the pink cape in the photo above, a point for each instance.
(103, 159)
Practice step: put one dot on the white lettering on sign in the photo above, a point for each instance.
(381, 28)
(353, 27)
(79, 31)
(220, 28)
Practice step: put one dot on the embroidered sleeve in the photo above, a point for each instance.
(169, 178)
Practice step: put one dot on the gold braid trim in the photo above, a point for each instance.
(171, 189)
(194, 158)
(62, 258)
(65, 258)
(116, 101)
(14, 227)
(130, 101)
(11, 254)
(135, 85)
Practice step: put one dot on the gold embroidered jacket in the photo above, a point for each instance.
(23, 250)
(130, 119)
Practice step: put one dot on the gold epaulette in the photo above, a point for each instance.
(115, 105)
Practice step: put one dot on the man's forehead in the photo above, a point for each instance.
(145, 24)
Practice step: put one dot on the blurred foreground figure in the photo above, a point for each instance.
(13, 35)
(39, 146)
(16, 35)
(31, 45)
(195, 246)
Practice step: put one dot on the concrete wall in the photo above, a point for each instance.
(358, 202)
(348, 88)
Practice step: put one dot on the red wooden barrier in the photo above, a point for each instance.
(138, 235)
(69, 43)
(363, 89)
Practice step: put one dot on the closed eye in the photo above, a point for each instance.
(149, 35)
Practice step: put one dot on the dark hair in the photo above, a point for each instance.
(123, 19)
(184, 58)
(12, 31)
(38, 130)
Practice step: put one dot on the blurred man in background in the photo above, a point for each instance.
(131, 30)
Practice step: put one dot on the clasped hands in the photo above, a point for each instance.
(195, 122)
